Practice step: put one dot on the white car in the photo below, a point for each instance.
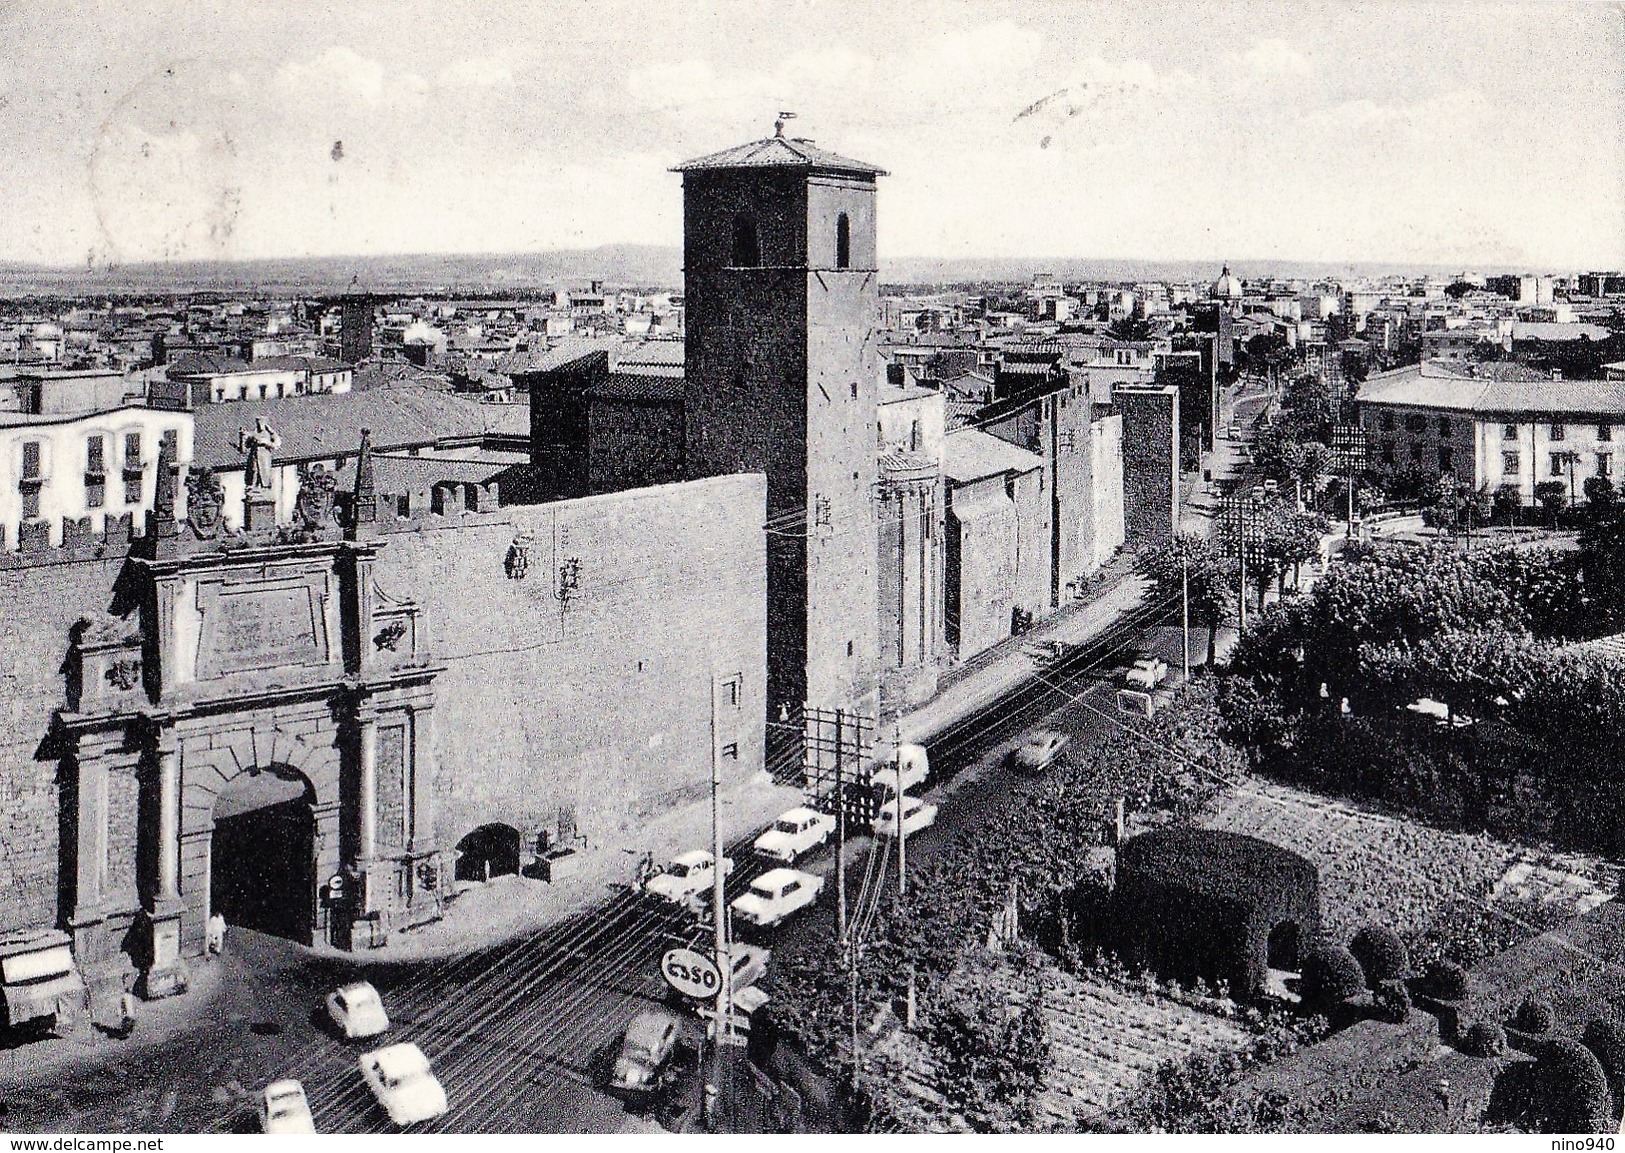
(686, 875)
(1147, 673)
(1038, 752)
(901, 775)
(775, 895)
(794, 834)
(400, 1077)
(283, 1108)
(357, 1010)
(917, 815)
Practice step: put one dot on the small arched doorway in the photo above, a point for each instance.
(489, 851)
(1284, 943)
(262, 856)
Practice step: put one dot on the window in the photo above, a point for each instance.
(1446, 459)
(1557, 463)
(843, 242)
(132, 450)
(31, 460)
(96, 455)
(1416, 454)
(1444, 426)
(1605, 432)
(1510, 464)
(733, 690)
(1416, 423)
(848, 648)
(746, 252)
(1509, 432)
(1386, 422)
(1605, 462)
(1387, 452)
(730, 751)
(1558, 432)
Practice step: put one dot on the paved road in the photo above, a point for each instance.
(517, 1033)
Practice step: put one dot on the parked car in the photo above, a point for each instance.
(775, 895)
(917, 815)
(795, 834)
(283, 1108)
(357, 1010)
(400, 1078)
(692, 872)
(646, 1051)
(905, 771)
(1039, 751)
(1147, 673)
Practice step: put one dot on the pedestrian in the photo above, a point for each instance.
(126, 1008)
(215, 935)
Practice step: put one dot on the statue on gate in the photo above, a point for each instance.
(258, 446)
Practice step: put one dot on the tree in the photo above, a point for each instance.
(1381, 954)
(1552, 496)
(1211, 582)
(1602, 498)
(1572, 1089)
(1602, 568)
(1606, 1039)
(1506, 502)
(1331, 975)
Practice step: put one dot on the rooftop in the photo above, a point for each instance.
(970, 454)
(324, 426)
(780, 152)
(637, 386)
(1495, 387)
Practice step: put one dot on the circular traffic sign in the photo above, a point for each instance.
(690, 972)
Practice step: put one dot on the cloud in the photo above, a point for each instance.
(341, 70)
(476, 72)
(1275, 57)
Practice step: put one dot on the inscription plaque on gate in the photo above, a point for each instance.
(262, 625)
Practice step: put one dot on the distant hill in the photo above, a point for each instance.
(621, 265)
(638, 265)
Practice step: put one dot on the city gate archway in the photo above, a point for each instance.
(262, 855)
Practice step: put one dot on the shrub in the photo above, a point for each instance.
(1393, 1001)
(1606, 1039)
(1447, 981)
(1533, 1016)
(1571, 1091)
(1381, 954)
(1484, 1039)
(1331, 975)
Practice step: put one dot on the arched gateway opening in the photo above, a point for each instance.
(489, 851)
(262, 859)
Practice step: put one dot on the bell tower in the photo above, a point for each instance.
(782, 296)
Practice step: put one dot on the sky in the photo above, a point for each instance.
(1462, 132)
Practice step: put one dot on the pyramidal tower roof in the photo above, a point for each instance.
(780, 152)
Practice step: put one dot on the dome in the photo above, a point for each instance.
(1227, 287)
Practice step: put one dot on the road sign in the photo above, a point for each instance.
(690, 972)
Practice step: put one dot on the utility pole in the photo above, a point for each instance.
(722, 1024)
(1185, 608)
(902, 850)
(840, 826)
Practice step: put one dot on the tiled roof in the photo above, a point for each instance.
(779, 152)
(1497, 387)
(901, 464)
(1539, 330)
(637, 386)
(666, 352)
(214, 365)
(567, 351)
(317, 427)
(970, 454)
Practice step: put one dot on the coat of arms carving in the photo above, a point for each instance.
(205, 498)
(314, 505)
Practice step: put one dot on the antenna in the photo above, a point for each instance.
(778, 125)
